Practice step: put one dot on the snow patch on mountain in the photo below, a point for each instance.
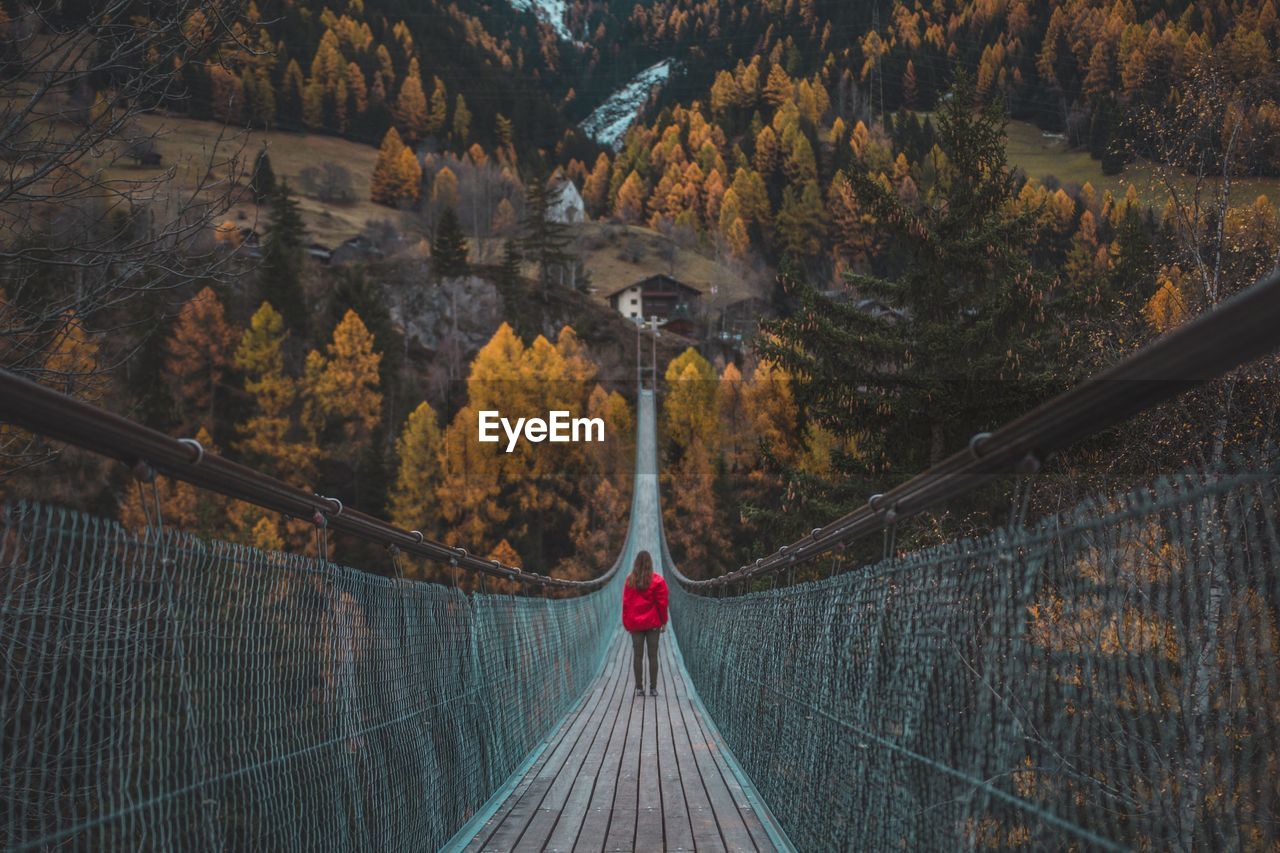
(608, 122)
(549, 11)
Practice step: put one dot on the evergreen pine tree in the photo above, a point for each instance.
(263, 182)
(509, 268)
(449, 248)
(281, 272)
(952, 346)
(542, 239)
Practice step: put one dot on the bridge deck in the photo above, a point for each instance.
(628, 773)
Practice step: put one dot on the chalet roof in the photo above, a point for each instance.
(659, 278)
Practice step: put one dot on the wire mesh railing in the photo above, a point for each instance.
(1106, 679)
(170, 693)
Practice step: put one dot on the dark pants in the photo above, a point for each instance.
(640, 639)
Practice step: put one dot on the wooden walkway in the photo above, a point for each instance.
(628, 773)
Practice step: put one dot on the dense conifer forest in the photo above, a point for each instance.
(321, 238)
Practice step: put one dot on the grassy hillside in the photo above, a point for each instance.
(1041, 155)
(618, 255)
(188, 145)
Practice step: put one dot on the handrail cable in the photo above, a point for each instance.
(47, 412)
(1239, 330)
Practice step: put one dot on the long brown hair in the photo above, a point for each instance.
(641, 571)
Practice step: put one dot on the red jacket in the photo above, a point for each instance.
(645, 609)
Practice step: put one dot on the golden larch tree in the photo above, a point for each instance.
(692, 522)
(505, 554)
(471, 475)
(629, 206)
(397, 175)
(197, 356)
(343, 385)
(595, 191)
(690, 409)
(415, 497)
(411, 105)
(771, 415)
(269, 438)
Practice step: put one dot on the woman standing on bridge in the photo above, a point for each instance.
(644, 615)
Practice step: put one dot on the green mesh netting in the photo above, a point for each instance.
(168, 693)
(1106, 679)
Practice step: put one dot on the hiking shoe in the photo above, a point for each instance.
(653, 691)
(639, 691)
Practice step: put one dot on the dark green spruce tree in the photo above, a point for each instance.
(509, 266)
(543, 240)
(263, 182)
(281, 270)
(954, 336)
(449, 248)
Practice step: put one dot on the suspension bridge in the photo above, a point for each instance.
(1105, 678)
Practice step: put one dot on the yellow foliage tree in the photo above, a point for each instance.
(612, 458)
(504, 553)
(629, 206)
(269, 437)
(733, 420)
(397, 175)
(198, 353)
(444, 189)
(770, 410)
(737, 237)
(471, 475)
(1167, 307)
(265, 535)
(691, 519)
(415, 498)
(598, 528)
(411, 105)
(595, 192)
(690, 410)
(343, 386)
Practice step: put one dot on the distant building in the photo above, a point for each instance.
(566, 204)
(685, 327)
(740, 320)
(658, 296)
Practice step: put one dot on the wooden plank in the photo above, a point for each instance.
(544, 822)
(733, 829)
(702, 814)
(702, 818)
(577, 803)
(479, 843)
(649, 821)
(594, 829)
(511, 835)
(750, 818)
(629, 773)
(677, 829)
(621, 834)
(502, 830)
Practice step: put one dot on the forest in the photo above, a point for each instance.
(921, 286)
